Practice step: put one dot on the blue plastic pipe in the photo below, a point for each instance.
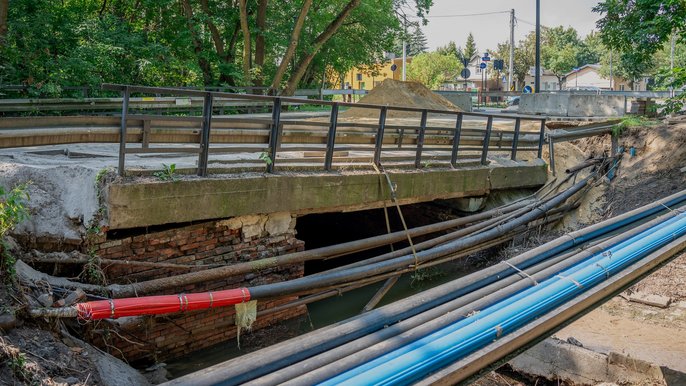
(483, 313)
(406, 365)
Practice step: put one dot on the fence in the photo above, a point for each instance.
(383, 141)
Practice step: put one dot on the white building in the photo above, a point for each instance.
(589, 77)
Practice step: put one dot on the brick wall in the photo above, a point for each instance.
(220, 242)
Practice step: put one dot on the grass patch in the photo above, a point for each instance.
(633, 121)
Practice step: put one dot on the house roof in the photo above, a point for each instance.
(595, 66)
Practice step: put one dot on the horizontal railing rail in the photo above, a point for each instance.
(369, 138)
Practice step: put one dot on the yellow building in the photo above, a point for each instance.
(369, 77)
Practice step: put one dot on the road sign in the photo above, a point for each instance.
(482, 66)
(527, 89)
(486, 58)
(394, 67)
(498, 64)
(465, 73)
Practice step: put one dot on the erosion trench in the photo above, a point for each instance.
(318, 263)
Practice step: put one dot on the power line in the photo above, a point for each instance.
(530, 23)
(467, 14)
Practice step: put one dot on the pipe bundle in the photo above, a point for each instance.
(418, 359)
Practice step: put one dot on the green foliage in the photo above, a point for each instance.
(13, 208)
(266, 158)
(451, 49)
(632, 121)
(168, 173)
(164, 43)
(432, 69)
(469, 47)
(639, 28)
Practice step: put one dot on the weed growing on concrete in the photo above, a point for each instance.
(264, 156)
(13, 210)
(168, 173)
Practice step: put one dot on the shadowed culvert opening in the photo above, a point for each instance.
(321, 230)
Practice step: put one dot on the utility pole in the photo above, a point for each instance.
(511, 67)
(404, 46)
(671, 68)
(537, 78)
(611, 77)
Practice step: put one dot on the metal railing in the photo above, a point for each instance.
(450, 140)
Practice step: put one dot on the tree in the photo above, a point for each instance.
(415, 42)
(559, 60)
(469, 47)
(432, 69)
(638, 30)
(560, 51)
(451, 49)
(591, 49)
(4, 7)
(195, 42)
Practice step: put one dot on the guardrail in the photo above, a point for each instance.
(328, 136)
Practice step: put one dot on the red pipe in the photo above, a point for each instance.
(163, 304)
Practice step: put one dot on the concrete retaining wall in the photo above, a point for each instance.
(572, 105)
(460, 100)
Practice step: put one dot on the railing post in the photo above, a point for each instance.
(378, 144)
(122, 130)
(420, 140)
(515, 139)
(275, 133)
(551, 154)
(487, 141)
(205, 134)
(331, 139)
(541, 139)
(456, 139)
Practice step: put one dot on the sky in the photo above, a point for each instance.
(489, 30)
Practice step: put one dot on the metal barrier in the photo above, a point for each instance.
(443, 139)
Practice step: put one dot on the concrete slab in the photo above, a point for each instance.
(572, 105)
(146, 202)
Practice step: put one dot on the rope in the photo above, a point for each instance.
(607, 272)
(400, 212)
(570, 279)
(520, 271)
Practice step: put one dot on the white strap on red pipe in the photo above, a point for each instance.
(163, 304)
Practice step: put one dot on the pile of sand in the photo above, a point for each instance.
(397, 93)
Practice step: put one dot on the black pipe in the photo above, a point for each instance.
(248, 367)
(280, 355)
(364, 349)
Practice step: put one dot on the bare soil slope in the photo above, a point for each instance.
(398, 93)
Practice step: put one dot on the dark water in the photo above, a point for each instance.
(323, 313)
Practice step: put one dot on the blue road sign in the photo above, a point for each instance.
(527, 89)
(465, 73)
(482, 66)
(394, 67)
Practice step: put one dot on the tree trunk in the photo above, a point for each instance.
(4, 10)
(225, 55)
(305, 61)
(247, 56)
(259, 40)
(292, 45)
(204, 65)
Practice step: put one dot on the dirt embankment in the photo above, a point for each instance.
(656, 170)
(397, 93)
